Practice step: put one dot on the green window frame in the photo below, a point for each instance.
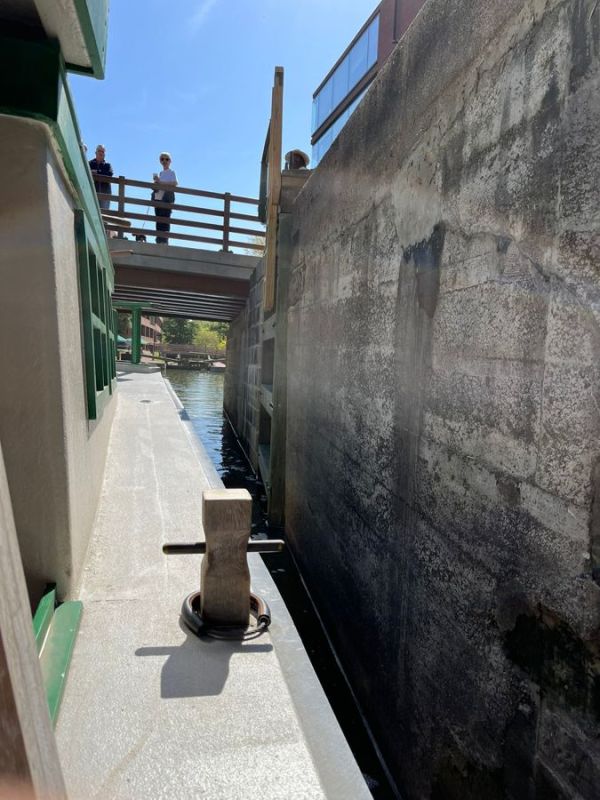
(98, 321)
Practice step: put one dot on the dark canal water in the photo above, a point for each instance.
(202, 396)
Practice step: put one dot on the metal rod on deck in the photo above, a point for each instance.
(254, 546)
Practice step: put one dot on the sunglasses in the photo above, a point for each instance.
(165, 159)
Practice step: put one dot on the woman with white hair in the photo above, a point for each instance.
(166, 178)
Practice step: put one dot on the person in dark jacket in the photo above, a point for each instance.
(99, 167)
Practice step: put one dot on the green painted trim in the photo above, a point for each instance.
(55, 657)
(33, 84)
(55, 630)
(86, 314)
(98, 324)
(136, 310)
(96, 306)
(68, 137)
(103, 399)
(43, 617)
(79, 70)
(30, 76)
(136, 335)
(94, 27)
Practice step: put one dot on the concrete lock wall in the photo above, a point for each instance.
(54, 456)
(243, 375)
(443, 400)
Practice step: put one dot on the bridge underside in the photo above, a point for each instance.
(181, 281)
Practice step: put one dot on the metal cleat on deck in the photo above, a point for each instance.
(224, 604)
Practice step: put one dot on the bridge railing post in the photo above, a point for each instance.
(226, 221)
(121, 202)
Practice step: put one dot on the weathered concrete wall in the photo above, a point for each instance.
(234, 390)
(243, 375)
(54, 456)
(443, 400)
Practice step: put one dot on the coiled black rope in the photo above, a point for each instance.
(190, 613)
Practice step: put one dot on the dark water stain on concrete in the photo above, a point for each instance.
(585, 39)
(502, 244)
(509, 489)
(595, 523)
(459, 779)
(426, 256)
(565, 667)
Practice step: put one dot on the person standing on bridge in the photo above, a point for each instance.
(166, 178)
(99, 167)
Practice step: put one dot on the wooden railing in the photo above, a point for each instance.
(126, 207)
(186, 350)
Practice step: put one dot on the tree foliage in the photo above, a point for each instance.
(211, 336)
(178, 331)
(208, 337)
(124, 324)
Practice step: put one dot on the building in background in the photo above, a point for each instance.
(151, 331)
(345, 84)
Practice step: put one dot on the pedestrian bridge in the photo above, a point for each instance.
(215, 242)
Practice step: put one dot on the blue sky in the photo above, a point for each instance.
(194, 77)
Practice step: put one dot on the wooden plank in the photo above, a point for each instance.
(201, 301)
(116, 215)
(225, 580)
(163, 279)
(275, 141)
(214, 212)
(188, 223)
(264, 171)
(27, 745)
(156, 299)
(235, 198)
(226, 222)
(121, 194)
(137, 201)
(148, 232)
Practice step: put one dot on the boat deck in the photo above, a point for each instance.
(150, 711)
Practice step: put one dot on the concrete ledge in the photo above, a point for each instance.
(151, 710)
(182, 259)
(145, 369)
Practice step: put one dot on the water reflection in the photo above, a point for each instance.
(202, 396)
